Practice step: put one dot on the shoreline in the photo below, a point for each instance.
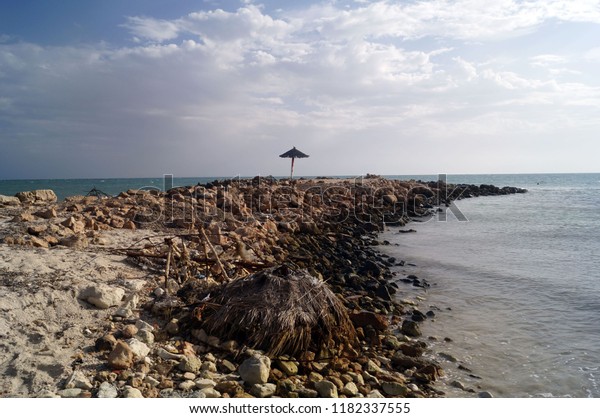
(325, 227)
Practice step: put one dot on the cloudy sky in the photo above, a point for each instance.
(140, 88)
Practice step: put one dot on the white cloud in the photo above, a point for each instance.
(214, 91)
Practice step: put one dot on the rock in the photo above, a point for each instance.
(121, 357)
(326, 389)
(106, 343)
(350, 389)
(130, 392)
(47, 214)
(129, 225)
(372, 367)
(231, 387)
(37, 196)
(394, 388)
(227, 367)
(457, 384)
(172, 327)
(412, 350)
(209, 366)
(23, 217)
(102, 296)
(307, 393)
(129, 331)
(449, 357)
(143, 326)
(263, 390)
(145, 336)
(45, 393)
(210, 393)
(390, 199)
(74, 224)
(37, 229)
(39, 242)
(204, 383)
(365, 318)
(391, 341)
(485, 394)
(411, 329)
(190, 364)
(375, 394)
(78, 380)
(107, 390)
(165, 355)
(76, 241)
(230, 346)
(9, 200)
(70, 393)
(255, 369)
(187, 385)
(290, 368)
(139, 349)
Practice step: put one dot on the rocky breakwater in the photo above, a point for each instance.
(360, 341)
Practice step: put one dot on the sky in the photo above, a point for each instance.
(142, 88)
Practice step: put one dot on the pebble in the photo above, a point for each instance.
(485, 394)
(145, 336)
(191, 364)
(326, 389)
(165, 355)
(78, 380)
(129, 331)
(227, 366)
(46, 394)
(210, 393)
(263, 390)
(204, 383)
(130, 392)
(151, 381)
(375, 394)
(350, 389)
(139, 349)
(394, 388)
(107, 390)
(255, 369)
(187, 385)
(121, 357)
(189, 376)
(102, 296)
(209, 366)
(143, 326)
(458, 385)
(307, 393)
(70, 393)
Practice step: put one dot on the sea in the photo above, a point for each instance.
(515, 280)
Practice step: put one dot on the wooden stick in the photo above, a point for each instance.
(221, 267)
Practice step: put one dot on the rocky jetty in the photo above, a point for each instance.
(316, 311)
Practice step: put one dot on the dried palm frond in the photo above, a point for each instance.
(280, 311)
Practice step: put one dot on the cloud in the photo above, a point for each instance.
(214, 92)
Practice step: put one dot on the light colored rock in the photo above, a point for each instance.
(375, 394)
(121, 357)
(209, 366)
(145, 336)
(9, 200)
(39, 242)
(75, 225)
(47, 214)
(326, 389)
(187, 385)
(205, 383)
(37, 196)
(143, 325)
(139, 349)
(46, 394)
(129, 331)
(394, 388)
(350, 389)
(263, 390)
(102, 296)
(78, 380)
(151, 381)
(190, 364)
(70, 393)
(130, 392)
(372, 367)
(210, 393)
(107, 390)
(255, 369)
(165, 355)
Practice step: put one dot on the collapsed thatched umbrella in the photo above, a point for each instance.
(293, 154)
(280, 311)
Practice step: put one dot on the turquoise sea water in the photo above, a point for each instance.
(521, 277)
(522, 280)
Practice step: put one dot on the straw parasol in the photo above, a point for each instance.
(281, 311)
(293, 154)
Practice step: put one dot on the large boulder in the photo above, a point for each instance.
(37, 196)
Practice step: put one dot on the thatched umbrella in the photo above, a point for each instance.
(280, 311)
(293, 154)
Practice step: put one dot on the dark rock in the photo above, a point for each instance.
(411, 329)
(365, 318)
